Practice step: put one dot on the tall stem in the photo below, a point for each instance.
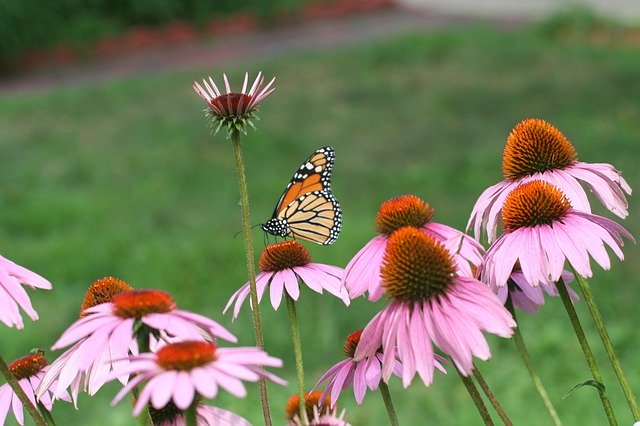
(586, 350)
(477, 398)
(26, 402)
(491, 397)
(297, 350)
(190, 414)
(251, 271)
(608, 346)
(524, 354)
(386, 397)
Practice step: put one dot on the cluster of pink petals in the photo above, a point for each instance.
(453, 322)
(230, 367)
(362, 273)
(542, 250)
(13, 296)
(10, 401)
(78, 370)
(210, 92)
(530, 298)
(102, 341)
(207, 415)
(363, 374)
(602, 179)
(316, 276)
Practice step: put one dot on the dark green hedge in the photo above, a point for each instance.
(29, 24)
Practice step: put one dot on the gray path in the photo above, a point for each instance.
(215, 53)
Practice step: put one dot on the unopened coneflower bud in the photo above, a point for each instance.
(533, 203)
(405, 210)
(101, 291)
(284, 255)
(416, 267)
(138, 303)
(185, 356)
(311, 399)
(535, 146)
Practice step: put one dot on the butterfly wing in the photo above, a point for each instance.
(314, 217)
(313, 175)
(307, 210)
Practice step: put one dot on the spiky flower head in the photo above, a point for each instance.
(233, 110)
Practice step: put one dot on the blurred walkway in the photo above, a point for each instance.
(622, 10)
(216, 53)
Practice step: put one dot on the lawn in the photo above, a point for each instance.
(123, 178)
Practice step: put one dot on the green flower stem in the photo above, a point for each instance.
(190, 414)
(297, 350)
(248, 244)
(608, 346)
(524, 354)
(46, 414)
(491, 397)
(142, 333)
(477, 398)
(11, 380)
(586, 350)
(386, 397)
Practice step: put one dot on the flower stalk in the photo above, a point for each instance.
(190, 414)
(586, 350)
(251, 271)
(491, 397)
(606, 341)
(297, 350)
(386, 397)
(526, 358)
(11, 380)
(477, 398)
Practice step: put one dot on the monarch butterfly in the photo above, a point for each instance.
(307, 210)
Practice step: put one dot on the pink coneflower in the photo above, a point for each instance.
(530, 298)
(283, 265)
(542, 231)
(329, 418)
(65, 371)
(13, 296)
(536, 150)
(363, 374)
(179, 372)
(233, 110)
(28, 370)
(362, 273)
(206, 415)
(104, 336)
(430, 303)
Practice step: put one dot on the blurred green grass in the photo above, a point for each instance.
(123, 178)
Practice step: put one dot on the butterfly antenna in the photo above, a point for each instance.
(239, 232)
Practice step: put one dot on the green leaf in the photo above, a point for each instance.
(593, 383)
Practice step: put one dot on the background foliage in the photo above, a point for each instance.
(123, 178)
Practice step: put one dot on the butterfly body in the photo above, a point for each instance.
(307, 210)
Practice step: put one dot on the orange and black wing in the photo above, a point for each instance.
(313, 175)
(307, 210)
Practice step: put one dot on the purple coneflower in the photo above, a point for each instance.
(363, 374)
(536, 150)
(28, 370)
(179, 372)
(64, 372)
(316, 404)
(430, 303)
(233, 110)
(104, 336)
(362, 274)
(542, 231)
(13, 296)
(283, 265)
